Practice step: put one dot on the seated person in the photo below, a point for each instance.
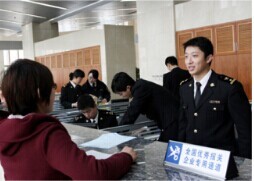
(35, 145)
(91, 114)
(72, 90)
(96, 87)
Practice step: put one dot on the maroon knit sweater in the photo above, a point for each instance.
(39, 147)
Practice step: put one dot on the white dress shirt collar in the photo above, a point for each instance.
(203, 82)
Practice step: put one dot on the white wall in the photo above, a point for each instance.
(1, 61)
(72, 41)
(156, 37)
(195, 14)
(28, 41)
(120, 52)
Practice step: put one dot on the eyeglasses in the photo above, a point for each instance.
(54, 86)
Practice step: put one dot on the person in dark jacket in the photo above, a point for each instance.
(72, 90)
(91, 114)
(174, 77)
(35, 145)
(212, 105)
(151, 100)
(96, 87)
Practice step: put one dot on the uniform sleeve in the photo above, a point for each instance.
(182, 121)
(64, 155)
(240, 112)
(64, 98)
(164, 79)
(106, 93)
(141, 95)
(166, 82)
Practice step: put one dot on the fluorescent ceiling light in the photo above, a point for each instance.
(10, 22)
(76, 10)
(126, 9)
(91, 22)
(44, 4)
(32, 15)
(7, 29)
(102, 17)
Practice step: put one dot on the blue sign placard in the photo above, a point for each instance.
(199, 159)
(174, 152)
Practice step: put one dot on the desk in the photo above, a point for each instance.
(153, 155)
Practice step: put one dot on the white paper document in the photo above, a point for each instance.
(107, 141)
(98, 155)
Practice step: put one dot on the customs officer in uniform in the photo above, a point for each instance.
(96, 87)
(91, 114)
(72, 90)
(213, 104)
(149, 99)
(174, 77)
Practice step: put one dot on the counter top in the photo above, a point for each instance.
(149, 164)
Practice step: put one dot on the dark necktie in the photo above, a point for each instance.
(198, 93)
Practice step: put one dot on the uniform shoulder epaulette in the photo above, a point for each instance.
(227, 79)
(184, 81)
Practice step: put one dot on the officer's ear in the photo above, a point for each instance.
(209, 59)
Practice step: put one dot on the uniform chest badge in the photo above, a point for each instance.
(212, 85)
(101, 118)
(214, 101)
(190, 85)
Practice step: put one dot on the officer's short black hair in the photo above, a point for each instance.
(171, 60)
(204, 44)
(85, 101)
(120, 82)
(77, 73)
(95, 73)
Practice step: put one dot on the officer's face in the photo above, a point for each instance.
(91, 79)
(90, 113)
(125, 94)
(77, 80)
(196, 62)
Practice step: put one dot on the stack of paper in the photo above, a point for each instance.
(107, 141)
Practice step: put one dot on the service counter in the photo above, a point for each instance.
(149, 165)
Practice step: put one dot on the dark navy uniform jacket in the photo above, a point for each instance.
(105, 119)
(222, 105)
(157, 104)
(100, 91)
(172, 80)
(70, 95)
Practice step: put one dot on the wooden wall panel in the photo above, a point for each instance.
(53, 61)
(80, 59)
(244, 72)
(62, 64)
(48, 62)
(96, 55)
(73, 59)
(205, 32)
(43, 60)
(59, 61)
(226, 65)
(182, 38)
(244, 30)
(224, 39)
(87, 55)
(66, 60)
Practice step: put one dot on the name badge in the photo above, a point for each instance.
(202, 160)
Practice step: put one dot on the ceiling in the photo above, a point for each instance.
(70, 15)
